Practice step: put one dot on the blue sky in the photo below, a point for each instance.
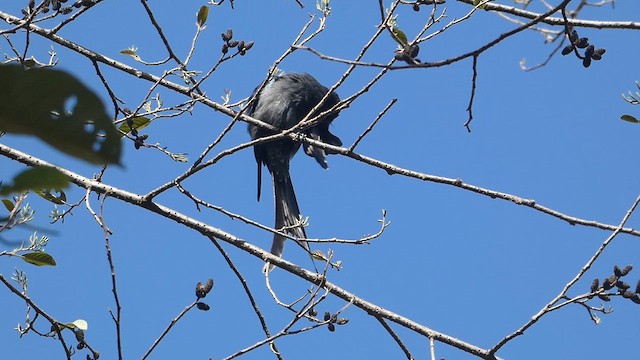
(460, 263)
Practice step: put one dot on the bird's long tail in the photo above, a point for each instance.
(287, 212)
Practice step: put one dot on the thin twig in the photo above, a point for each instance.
(395, 337)
(56, 325)
(168, 328)
(370, 127)
(114, 286)
(491, 6)
(247, 290)
(208, 230)
(474, 80)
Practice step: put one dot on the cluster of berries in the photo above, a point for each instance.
(331, 319)
(138, 140)
(242, 46)
(590, 51)
(615, 281)
(56, 5)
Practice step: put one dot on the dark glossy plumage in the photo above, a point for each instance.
(283, 103)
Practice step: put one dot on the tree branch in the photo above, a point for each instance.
(210, 231)
(634, 25)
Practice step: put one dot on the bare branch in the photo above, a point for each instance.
(395, 337)
(559, 21)
(56, 325)
(210, 231)
(169, 327)
(370, 127)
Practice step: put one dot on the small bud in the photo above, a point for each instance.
(248, 45)
(636, 299)
(209, 285)
(595, 285)
(327, 316)
(200, 293)
(625, 270)
(586, 62)
(582, 43)
(628, 294)
(225, 48)
(312, 312)
(79, 335)
(416, 7)
(331, 327)
(342, 321)
(622, 285)
(573, 35)
(413, 50)
(202, 306)
(233, 43)
(588, 53)
(567, 50)
(203, 289)
(229, 33)
(604, 297)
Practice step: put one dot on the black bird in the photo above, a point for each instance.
(283, 103)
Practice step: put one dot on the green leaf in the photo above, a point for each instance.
(203, 14)
(47, 195)
(139, 122)
(629, 118)
(8, 204)
(39, 258)
(36, 179)
(399, 36)
(60, 110)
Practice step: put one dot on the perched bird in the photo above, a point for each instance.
(283, 103)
